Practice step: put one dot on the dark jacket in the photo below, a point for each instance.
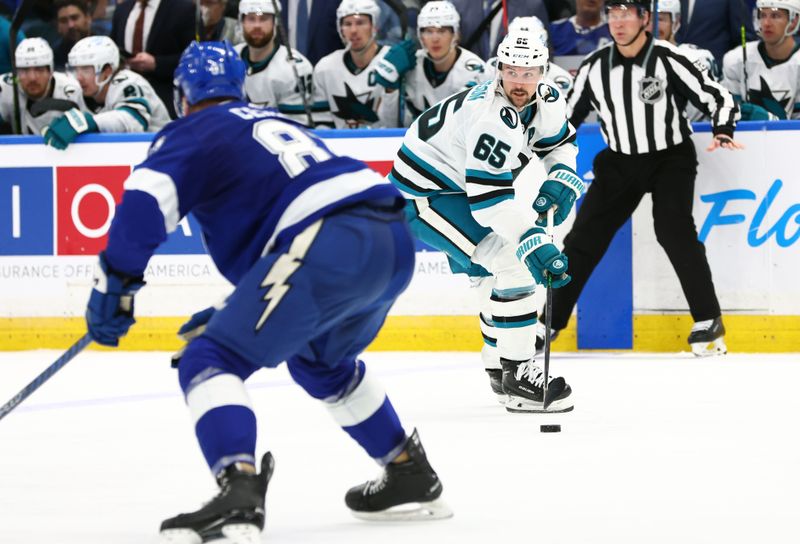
(173, 28)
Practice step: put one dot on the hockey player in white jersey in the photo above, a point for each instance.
(436, 71)
(457, 166)
(769, 86)
(43, 94)
(669, 21)
(346, 93)
(271, 80)
(118, 100)
(555, 73)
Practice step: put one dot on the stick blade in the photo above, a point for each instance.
(554, 390)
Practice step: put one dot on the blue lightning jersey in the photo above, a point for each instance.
(252, 178)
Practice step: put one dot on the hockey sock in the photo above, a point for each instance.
(361, 407)
(220, 406)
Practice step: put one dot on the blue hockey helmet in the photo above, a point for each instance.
(208, 70)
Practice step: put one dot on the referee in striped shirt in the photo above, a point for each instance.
(639, 87)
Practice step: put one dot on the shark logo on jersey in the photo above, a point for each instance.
(350, 107)
(774, 102)
(509, 117)
(563, 82)
(651, 90)
(473, 66)
(548, 93)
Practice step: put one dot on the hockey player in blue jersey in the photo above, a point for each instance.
(318, 251)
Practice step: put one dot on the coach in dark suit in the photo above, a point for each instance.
(155, 32)
(715, 25)
(321, 35)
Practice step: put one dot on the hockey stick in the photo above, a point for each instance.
(554, 390)
(402, 14)
(51, 104)
(39, 380)
(743, 4)
(301, 84)
(199, 30)
(16, 23)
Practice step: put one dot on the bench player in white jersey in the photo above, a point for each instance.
(555, 73)
(346, 94)
(669, 21)
(117, 100)
(43, 93)
(456, 167)
(436, 71)
(271, 80)
(771, 87)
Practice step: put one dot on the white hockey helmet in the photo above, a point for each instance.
(529, 24)
(673, 7)
(33, 52)
(266, 7)
(524, 49)
(439, 14)
(96, 51)
(357, 7)
(792, 6)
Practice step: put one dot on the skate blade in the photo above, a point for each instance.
(242, 533)
(415, 511)
(502, 398)
(710, 349)
(517, 405)
(180, 536)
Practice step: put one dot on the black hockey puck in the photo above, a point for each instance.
(550, 428)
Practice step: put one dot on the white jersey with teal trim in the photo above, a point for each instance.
(473, 141)
(773, 85)
(555, 73)
(63, 87)
(421, 93)
(273, 82)
(704, 60)
(348, 97)
(131, 105)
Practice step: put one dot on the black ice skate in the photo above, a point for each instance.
(236, 513)
(496, 382)
(708, 338)
(523, 381)
(403, 492)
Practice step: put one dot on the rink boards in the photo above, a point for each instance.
(55, 208)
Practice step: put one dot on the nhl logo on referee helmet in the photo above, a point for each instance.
(651, 90)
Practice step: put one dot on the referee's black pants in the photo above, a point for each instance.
(619, 185)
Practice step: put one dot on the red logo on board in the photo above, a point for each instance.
(86, 198)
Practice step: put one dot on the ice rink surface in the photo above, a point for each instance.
(660, 449)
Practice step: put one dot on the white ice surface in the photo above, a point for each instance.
(659, 449)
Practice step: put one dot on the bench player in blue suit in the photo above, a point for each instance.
(318, 250)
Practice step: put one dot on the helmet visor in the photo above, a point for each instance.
(519, 74)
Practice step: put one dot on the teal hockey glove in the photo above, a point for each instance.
(559, 191)
(543, 258)
(400, 59)
(66, 128)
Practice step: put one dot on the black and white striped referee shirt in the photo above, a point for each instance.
(640, 101)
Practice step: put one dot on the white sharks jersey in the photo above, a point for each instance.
(131, 106)
(348, 97)
(705, 62)
(63, 87)
(474, 141)
(424, 89)
(775, 86)
(555, 73)
(272, 82)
